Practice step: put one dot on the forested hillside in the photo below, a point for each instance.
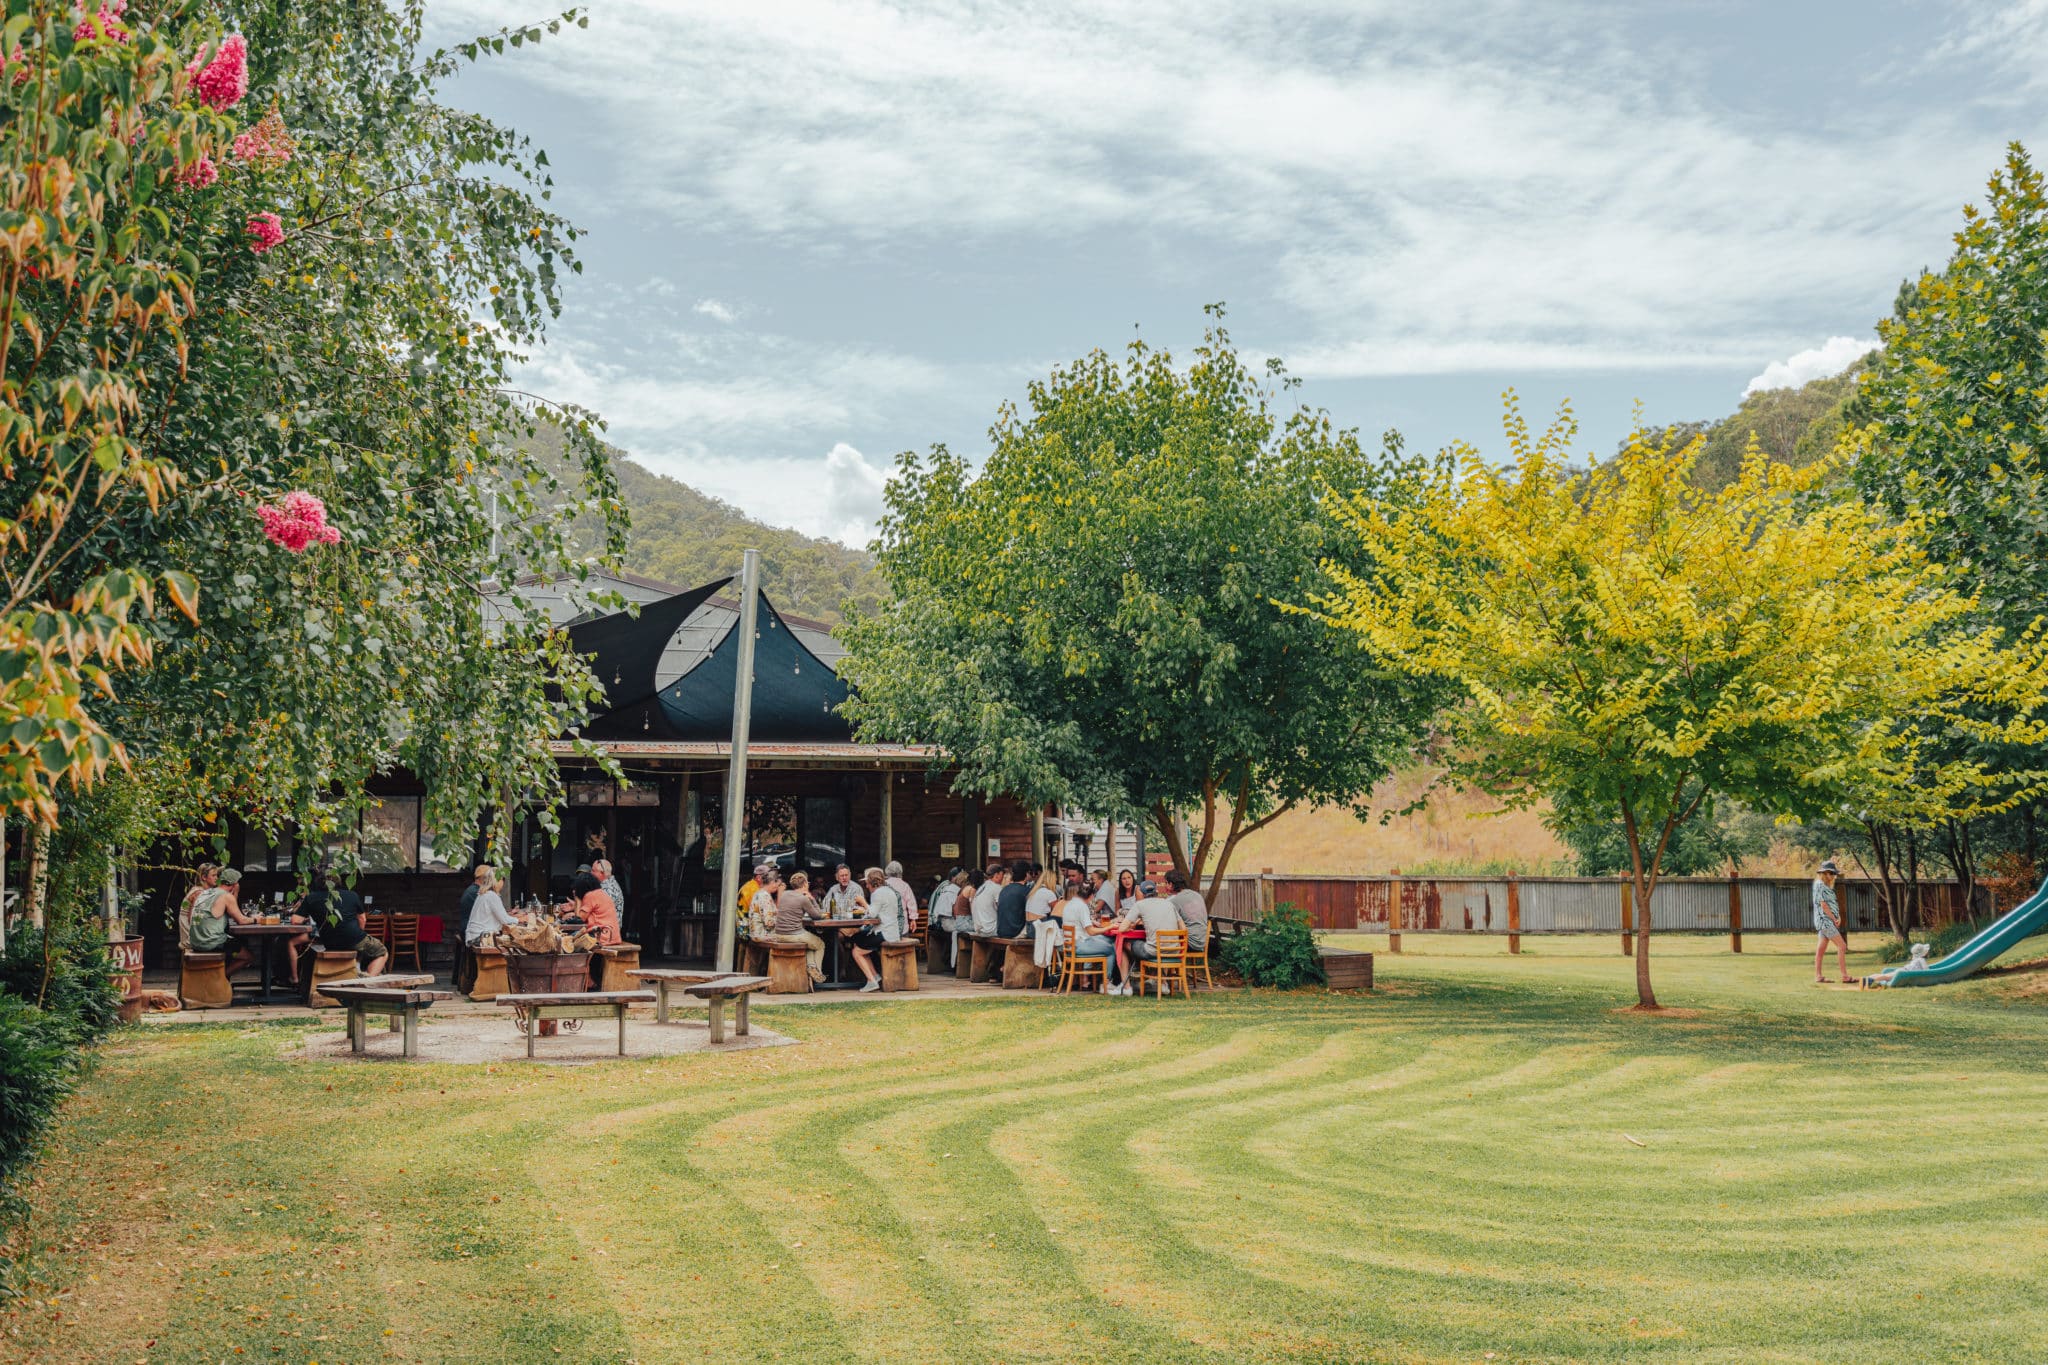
(686, 537)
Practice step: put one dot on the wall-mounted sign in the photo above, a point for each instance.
(949, 850)
(995, 848)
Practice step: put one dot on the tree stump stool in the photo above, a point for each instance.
(1020, 973)
(329, 964)
(963, 960)
(899, 966)
(937, 943)
(988, 958)
(619, 961)
(203, 981)
(753, 957)
(490, 980)
(789, 971)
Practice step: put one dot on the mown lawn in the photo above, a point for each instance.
(1442, 1171)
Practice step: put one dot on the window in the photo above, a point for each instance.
(441, 853)
(391, 835)
(824, 833)
(260, 855)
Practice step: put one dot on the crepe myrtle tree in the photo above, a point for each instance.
(1633, 644)
(269, 292)
(1095, 616)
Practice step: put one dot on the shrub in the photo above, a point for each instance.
(83, 996)
(1280, 950)
(38, 1064)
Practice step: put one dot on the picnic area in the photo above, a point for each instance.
(1480, 1156)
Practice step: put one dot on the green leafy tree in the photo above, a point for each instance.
(1094, 618)
(1715, 837)
(1634, 644)
(310, 434)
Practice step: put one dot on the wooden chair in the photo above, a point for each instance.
(1198, 961)
(1074, 968)
(203, 981)
(403, 937)
(1170, 965)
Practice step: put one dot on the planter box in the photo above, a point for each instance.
(1347, 969)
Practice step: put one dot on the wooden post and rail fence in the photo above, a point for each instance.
(1515, 907)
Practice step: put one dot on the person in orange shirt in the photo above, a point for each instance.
(600, 915)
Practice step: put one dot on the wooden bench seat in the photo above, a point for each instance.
(532, 1010)
(715, 993)
(1020, 972)
(397, 997)
(987, 957)
(616, 964)
(203, 981)
(665, 980)
(899, 965)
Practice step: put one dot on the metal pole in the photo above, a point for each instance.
(736, 774)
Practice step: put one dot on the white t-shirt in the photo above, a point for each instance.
(1041, 901)
(943, 898)
(486, 916)
(1077, 914)
(884, 903)
(984, 910)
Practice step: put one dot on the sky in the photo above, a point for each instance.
(824, 232)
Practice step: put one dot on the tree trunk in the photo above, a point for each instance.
(36, 878)
(1643, 884)
(1884, 852)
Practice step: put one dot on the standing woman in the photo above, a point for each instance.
(1827, 922)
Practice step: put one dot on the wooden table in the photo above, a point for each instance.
(666, 979)
(715, 993)
(828, 929)
(267, 937)
(402, 1003)
(530, 1011)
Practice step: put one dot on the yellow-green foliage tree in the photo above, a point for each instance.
(1630, 642)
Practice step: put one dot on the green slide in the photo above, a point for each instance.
(2023, 921)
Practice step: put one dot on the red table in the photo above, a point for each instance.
(1120, 937)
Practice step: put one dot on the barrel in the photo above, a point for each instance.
(547, 973)
(127, 955)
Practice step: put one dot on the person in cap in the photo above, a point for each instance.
(761, 909)
(1151, 912)
(1827, 922)
(752, 885)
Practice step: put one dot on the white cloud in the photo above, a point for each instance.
(716, 311)
(852, 498)
(1831, 357)
(1424, 181)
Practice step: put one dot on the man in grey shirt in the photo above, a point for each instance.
(1194, 911)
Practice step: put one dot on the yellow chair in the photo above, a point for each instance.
(1072, 967)
(1170, 965)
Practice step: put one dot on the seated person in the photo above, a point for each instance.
(600, 913)
(336, 914)
(982, 906)
(794, 910)
(947, 905)
(208, 931)
(1013, 899)
(487, 914)
(761, 906)
(885, 924)
(1194, 911)
(1152, 912)
(1077, 912)
(845, 898)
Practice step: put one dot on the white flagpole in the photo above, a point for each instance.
(736, 774)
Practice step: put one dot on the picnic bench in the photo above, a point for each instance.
(987, 958)
(714, 994)
(665, 980)
(401, 998)
(529, 1012)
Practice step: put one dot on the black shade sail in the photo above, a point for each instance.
(795, 695)
(628, 648)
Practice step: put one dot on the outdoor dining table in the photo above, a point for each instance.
(267, 937)
(1119, 937)
(828, 929)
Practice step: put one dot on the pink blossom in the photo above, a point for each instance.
(102, 25)
(199, 174)
(267, 144)
(225, 79)
(265, 231)
(298, 521)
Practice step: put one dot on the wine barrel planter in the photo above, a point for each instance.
(127, 954)
(547, 974)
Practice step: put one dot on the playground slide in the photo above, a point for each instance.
(2028, 918)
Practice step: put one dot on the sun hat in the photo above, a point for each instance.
(1829, 866)
(230, 875)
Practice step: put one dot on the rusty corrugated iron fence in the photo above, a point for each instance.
(1566, 905)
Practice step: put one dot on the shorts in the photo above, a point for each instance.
(369, 950)
(868, 940)
(1825, 927)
